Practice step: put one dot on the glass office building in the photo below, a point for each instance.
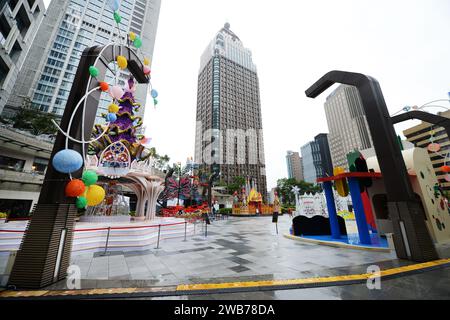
(70, 27)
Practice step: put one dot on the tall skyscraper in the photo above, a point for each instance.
(294, 165)
(347, 124)
(19, 22)
(70, 27)
(229, 136)
(312, 164)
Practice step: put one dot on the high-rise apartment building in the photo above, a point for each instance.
(294, 165)
(69, 27)
(422, 135)
(347, 124)
(19, 22)
(229, 136)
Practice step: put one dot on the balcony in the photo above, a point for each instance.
(24, 177)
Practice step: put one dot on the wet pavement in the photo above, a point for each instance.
(237, 249)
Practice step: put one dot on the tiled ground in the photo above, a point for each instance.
(234, 250)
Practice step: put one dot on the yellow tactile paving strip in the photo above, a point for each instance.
(192, 288)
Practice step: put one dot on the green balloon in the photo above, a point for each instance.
(117, 17)
(93, 71)
(137, 42)
(155, 101)
(89, 178)
(81, 202)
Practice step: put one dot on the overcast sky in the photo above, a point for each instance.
(402, 43)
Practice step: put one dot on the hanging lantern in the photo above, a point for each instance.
(111, 117)
(434, 147)
(95, 195)
(75, 188)
(122, 62)
(137, 42)
(116, 92)
(93, 71)
(67, 161)
(89, 178)
(81, 203)
(147, 70)
(113, 108)
(117, 17)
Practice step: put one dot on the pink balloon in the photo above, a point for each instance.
(434, 147)
(116, 92)
(147, 70)
(447, 177)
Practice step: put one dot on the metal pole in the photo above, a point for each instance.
(195, 223)
(276, 224)
(185, 230)
(107, 241)
(206, 229)
(159, 236)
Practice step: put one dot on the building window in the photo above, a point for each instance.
(13, 164)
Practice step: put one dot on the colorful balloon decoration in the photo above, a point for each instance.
(89, 178)
(445, 168)
(154, 94)
(67, 161)
(434, 147)
(104, 86)
(114, 4)
(122, 62)
(75, 188)
(137, 42)
(81, 203)
(116, 158)
(95, 195)
(113, 108)
(116, 92)
(93, 71)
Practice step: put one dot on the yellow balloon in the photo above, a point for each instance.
(95, 195)
(146, 61)
(113, 108)
(122, 62)
(132, 36)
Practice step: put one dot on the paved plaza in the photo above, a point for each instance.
(234, 250)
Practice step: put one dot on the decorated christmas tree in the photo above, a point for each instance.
(123, 126)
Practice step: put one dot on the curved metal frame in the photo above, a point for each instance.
(45, 251)
(411, 237)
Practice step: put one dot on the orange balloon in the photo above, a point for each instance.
(445, 168)
(104, 86)
(75, 188)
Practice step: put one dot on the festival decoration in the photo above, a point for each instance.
(118, 142)
(154, 94)
(89, 178)
(67, 161)
(75, 188)
(147, 70)
(122, 62)
(95, 195)
(81, 203)
(93, 71)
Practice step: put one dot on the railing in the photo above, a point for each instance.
(120, 232)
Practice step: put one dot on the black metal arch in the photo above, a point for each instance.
(411, 237)
(424, 116)
(45, 251)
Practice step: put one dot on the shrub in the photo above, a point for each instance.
(225, 211)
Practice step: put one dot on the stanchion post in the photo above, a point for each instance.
(206, 229)
(159, 236)
(107, 241)
(276, 225)
(185, 230)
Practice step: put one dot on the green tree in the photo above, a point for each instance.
(236, 185)
(284, 189)
(34, 121)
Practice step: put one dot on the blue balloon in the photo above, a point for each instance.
(67, 161)
(114, 4)
(111, 117)
(154, 94)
